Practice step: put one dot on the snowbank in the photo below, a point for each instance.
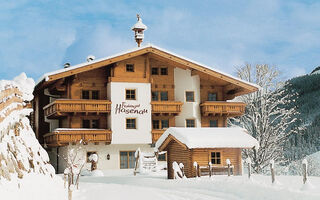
(24, 166)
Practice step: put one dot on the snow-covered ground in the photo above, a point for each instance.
(119, 185)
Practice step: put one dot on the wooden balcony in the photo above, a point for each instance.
(62, 136)
(230, 109)
(166, 107)
(61, 107)
(156, 134)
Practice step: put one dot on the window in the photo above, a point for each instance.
(131, 123)
(127, 159)
(162, 157)
(130, 94)
(90, 94)
(155, 124)
(213, 123)
(155, 96)
(89, 153)
(190, 123)
(129, 67)
(215, 158)
(154, 71)
(164, 96)
(190, 96)
(95, 123)
(95, 94)
(164, 123)
(85, 123)
(85, 94)
(212, 96)
(164, 71)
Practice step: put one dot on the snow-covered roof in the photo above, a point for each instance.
(210, 137)
(45, 77)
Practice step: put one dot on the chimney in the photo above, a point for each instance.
(66, 65)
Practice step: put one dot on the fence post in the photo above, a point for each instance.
(228, 163)
(210, 169)
(248, 160)
(182, 169)
(272, 170)
(304, 170)
(195, 165)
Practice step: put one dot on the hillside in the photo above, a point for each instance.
(308, 90)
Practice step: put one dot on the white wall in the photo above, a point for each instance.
(185, 82)
(103, 150)
(142, 133)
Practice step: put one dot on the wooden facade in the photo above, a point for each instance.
(72, 96)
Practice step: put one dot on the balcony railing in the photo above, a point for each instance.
(156, 134)
(222, 108)
(166, 107)
(62, 106)
(63, 136)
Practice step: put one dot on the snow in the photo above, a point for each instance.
(210, 137)
(272, 163)
(122, 184)
(139, 25)
(45, 77)
(93, 157)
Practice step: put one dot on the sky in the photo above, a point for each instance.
(40, 36)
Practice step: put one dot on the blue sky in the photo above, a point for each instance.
(39, 36)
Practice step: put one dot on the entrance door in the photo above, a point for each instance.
(127, 159)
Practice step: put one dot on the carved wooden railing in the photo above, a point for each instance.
(156, 134)
(62, 136)
(61, 106)
(222, 108)
(10, 96)
(166, 107)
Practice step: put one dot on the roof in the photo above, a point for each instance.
(149, 48)
(208, 138)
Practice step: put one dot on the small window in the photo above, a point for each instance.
(213, 123)
(85, 94)
(164, 71)
(131, 123)
(154, 71)
(155, 96)
(129, 67)
(164, 96)
(85, 123)
(89, 153)
(164, 123)
(95, 94)
(130, 94)
(212, 96)
(155, 124)
(216, 158)
(190, 123)
(190, 96)
(162, 157)
(95, 123)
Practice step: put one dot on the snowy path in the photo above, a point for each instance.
(119, 187)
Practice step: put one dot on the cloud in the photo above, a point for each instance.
(223, 34)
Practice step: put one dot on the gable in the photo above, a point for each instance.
(231, 83)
